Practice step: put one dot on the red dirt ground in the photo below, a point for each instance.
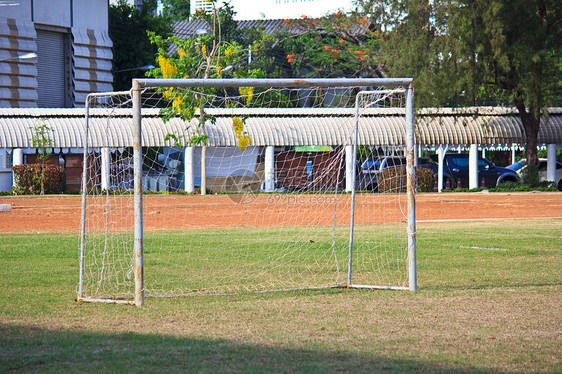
(62, 213)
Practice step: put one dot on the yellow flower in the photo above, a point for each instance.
(249, 92)
(167, 66)
(244, 142)
(228, 51)
(238, 126)
(168, 94)
(181, 53)
(204, 50)
(177, 102)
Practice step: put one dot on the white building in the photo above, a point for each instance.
(71, 56)
(277, 9)
(73, 51)
(196, 5)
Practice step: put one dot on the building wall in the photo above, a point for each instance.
(85, 47)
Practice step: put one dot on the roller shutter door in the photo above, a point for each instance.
(51, 70)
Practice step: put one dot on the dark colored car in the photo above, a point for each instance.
(455, 167)
(372, 167)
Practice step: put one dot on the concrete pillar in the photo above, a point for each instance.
(349, 168)
(17, 159)
(189, 169)
(441, 152)
(269, 169)
(203, 170)
(513, 153)
(551, 162)
(473, 166)
(17, 156)
(105, 158)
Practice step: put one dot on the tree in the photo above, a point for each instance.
(178, 10)
(338, 45)
(42, 140)
(517, 46)
(474, 51)
(214, 55)
(131, 46)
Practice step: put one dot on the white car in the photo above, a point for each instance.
(520, 166)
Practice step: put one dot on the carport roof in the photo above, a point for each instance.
(282, 127)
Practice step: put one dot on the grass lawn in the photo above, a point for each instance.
(489, 301)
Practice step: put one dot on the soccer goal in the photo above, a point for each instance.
(224, 186)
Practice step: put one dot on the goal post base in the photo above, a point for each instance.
(361, 286)
(105, 301)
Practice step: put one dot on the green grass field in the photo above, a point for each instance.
(489, 301)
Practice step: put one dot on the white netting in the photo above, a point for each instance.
(271, 207)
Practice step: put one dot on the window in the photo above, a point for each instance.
(52, 76)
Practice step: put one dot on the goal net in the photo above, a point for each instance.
(203, 187)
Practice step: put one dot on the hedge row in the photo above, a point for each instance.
(27, 179)
(394, 180)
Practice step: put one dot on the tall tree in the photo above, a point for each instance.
(338, 45)
(178, 10)
(472, 51)
(131, 46)
(517, 49)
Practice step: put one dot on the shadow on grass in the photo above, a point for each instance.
(28, 349)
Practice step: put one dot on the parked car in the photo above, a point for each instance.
(520, 166)
(455, 167)
(368, 176)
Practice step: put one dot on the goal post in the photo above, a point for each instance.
(318, 176)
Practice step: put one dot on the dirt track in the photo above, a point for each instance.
(62, 213)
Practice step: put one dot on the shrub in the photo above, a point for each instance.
(394, 179)
(425, 180)
(27, 179)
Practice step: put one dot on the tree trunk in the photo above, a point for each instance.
(43, 179)
(531, 120)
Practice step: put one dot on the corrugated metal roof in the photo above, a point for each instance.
(188, 29)
(280, 127)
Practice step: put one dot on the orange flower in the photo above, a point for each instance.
(286, 20)
(341, 41)
(338, 14)
(291, 57)
(327, 48)
(316, 38)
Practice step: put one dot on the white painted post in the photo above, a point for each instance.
(473, 166)
(204, 170)
(138, 246)
(441, 151)
(17, 157)
(349, 168)
(189, 172)
(269, 168)
(513, 153)
(105, 168)
(411, 188)
(551, 162)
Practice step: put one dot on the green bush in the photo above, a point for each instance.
(394, 180)
(27, 179)
(425, 180)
